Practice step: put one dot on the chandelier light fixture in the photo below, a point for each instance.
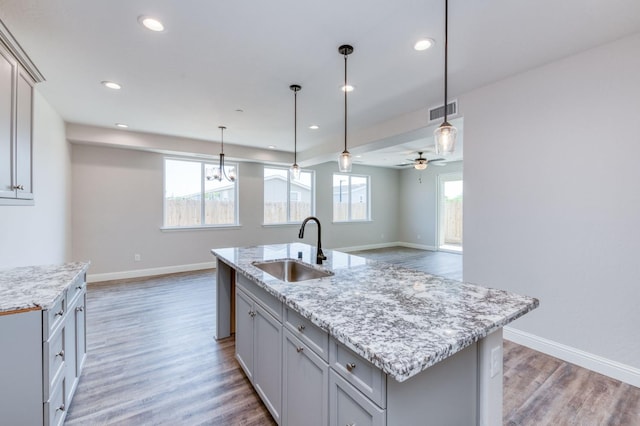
(220, 172)
(295, 169)
(445, 135)
(345, 161)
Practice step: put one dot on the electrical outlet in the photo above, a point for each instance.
(496, 361)
(418, 236)
(382, 236)
(136, 257)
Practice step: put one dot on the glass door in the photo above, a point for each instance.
(450, 212)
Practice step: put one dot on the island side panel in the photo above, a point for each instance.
(225, 287)
(444, 394)
(490, 379)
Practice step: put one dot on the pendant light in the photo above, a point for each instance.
(295, 169)
(220, 172)
(445, 135)
(344, 162)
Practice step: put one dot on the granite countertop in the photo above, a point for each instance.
(401, 320)
(36, 287)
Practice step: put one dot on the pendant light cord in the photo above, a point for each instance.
(446, 48)
(345, 102)
(295, 126)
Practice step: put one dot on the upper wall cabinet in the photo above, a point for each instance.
(17, 78)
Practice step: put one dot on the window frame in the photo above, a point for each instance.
(203, 167)
(312, 195)
(349, 203)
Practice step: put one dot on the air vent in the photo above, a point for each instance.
(438, 112)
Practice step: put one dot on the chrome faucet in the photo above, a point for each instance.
(319, 255)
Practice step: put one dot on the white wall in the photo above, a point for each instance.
(117, 207)
(419, 204)
(551, 197)
(41, 234)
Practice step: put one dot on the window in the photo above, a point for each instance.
(192, 200)
(450, 212)
(350, 198)
(288, 200)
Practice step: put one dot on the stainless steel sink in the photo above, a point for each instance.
(291, 270)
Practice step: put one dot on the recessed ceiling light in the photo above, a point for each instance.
(423, 44)
(314, 127)
(347, 88)
(358, 156)
(272, 147)
(151, 23)
(239, 110)
(122, 125)
(111, 85)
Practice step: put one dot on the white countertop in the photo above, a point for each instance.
(401, 320)
(36, 287)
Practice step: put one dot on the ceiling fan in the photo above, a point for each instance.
(421, 163)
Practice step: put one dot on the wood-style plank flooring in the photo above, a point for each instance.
(152, 360)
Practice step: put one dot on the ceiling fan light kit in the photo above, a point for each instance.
(345, 161)
(445, 134)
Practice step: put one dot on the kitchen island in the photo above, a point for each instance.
(383, 344)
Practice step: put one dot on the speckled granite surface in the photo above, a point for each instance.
(401, 320)
(36, 286)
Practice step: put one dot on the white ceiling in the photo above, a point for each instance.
(219, 56)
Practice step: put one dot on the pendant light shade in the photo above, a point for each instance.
(295, 169)
(344, 161)
(445, 135)
(220, 172)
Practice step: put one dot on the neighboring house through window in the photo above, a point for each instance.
(351, 198)
(192, 200)
(288, 200)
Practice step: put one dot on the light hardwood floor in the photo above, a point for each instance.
(153, 361)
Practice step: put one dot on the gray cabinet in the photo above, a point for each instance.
(305, 384)
(348, 406)
(259, 343)
(16, 129)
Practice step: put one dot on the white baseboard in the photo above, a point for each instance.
(137, 273)
(368, 247)
(418, 246)
(613, 369)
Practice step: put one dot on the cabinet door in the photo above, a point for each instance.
(244, 332)
(70, 351)
(267, 367)
(81, 332)
(24, 104)
(348, 406)
(305, 385)
(7, 69)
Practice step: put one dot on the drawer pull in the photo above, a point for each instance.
(20, 187)
(61, 354)
(252, 314)
(350, 366)
(301, 328)
(80, 309)
(60, 408)
(79, 287)
(60, 313)
(299, 349)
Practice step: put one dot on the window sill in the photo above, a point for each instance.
(349, 222)
(199, 228)
(281, 225)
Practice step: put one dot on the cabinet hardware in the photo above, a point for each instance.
(79, 287)
(60, 408)
(350, 366)
(60, 313)
(61, 354)
(301, 328)
(80, 309)
(19, 187)
(252, 314)
(299, 349)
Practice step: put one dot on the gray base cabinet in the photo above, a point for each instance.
(43, 352)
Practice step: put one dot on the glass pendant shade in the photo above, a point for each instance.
(344, 162)
(445, 137)
(295, 171)
(421, 165)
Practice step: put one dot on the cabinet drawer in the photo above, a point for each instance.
(269, 302)
(347, 406)
(309, 333)
(76, 288)
(53, 360)
(55, 409)
(52, 318)
(366, 377)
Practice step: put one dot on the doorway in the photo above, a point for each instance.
(450, 212)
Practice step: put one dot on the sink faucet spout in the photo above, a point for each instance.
(319, 255)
